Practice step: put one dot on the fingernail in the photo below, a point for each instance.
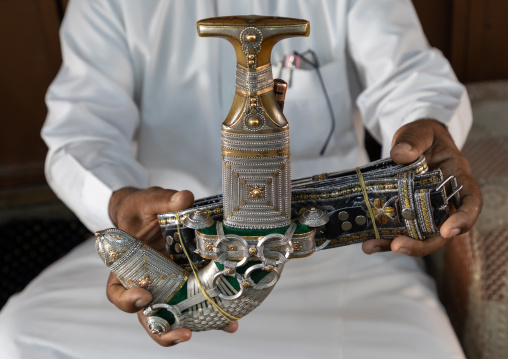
(454, 232)
(376, 250)
(404, 251)
(175, 196)
(141, 303)
(406, 146)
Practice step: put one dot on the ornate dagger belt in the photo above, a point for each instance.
(227, 252)
(403, 199)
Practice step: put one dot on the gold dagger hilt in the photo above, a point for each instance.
(253, 38)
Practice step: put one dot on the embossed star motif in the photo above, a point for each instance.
(256, 192)
(382, 212)
(113, 254)
(145, 281)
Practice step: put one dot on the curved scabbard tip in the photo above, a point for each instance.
(111, 244)
(157, 325)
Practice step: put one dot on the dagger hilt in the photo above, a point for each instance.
(253, 38)
(256, 169)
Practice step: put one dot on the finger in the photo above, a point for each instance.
(231, 327)
(128, 300)
(182, 200)
(167, 339)
(159, 200)
(466, 215)
(413, 140)
(376, 245)
(155, 201)
(415, 248)
(152, 235)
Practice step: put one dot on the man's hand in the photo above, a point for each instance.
(432, 139)
(135, 212)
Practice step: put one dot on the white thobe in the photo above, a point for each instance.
(139, 101)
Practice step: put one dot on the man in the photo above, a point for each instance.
(138, 103)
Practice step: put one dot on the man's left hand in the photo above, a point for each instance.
(432, 139)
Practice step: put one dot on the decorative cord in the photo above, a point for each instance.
(366, 199)
(229, 317)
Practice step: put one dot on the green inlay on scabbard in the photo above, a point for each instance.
(212, 231)
(181, 295)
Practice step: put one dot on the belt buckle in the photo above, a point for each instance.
(455, 189)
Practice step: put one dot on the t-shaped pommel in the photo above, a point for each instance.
(247, 33)
(253, 38)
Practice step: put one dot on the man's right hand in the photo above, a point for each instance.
(135, 212)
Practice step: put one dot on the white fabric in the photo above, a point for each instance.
(139, 101)
(335, 304)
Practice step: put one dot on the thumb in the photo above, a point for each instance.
(165, 200)
(413, 140)
(150, 202)
(182, 200)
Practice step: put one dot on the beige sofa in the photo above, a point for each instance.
(472, 271)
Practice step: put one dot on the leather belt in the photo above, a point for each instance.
(403, 199)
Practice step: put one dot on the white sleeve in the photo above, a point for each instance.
(404, 79)
(92, 117)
